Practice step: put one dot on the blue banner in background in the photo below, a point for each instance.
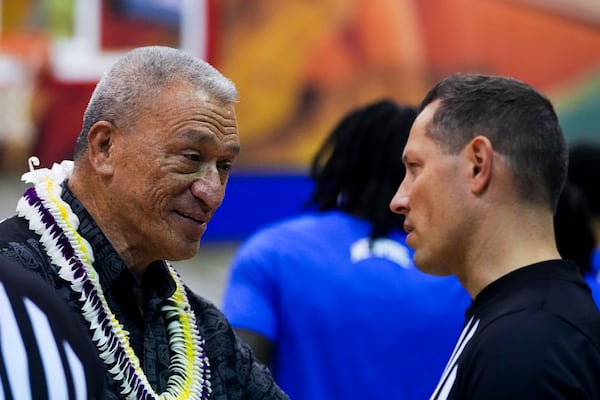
(255, 200)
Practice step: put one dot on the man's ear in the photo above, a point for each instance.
(100, 139)
(481, 157)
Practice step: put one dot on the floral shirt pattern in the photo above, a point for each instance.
(235, 373)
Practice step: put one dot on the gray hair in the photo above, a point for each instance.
(136, 79)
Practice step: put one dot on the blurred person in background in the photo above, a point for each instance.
(330, 299)
(584, 172)
(575, 235)
(486, 162)
(150, 168)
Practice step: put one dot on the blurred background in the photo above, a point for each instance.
(299, 66)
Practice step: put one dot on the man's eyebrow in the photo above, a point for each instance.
(201, 136)
(234, 148)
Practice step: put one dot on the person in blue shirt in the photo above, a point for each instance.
(584, 172)
(330, 299)
(575, 235)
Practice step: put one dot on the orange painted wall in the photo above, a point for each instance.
(507, 37)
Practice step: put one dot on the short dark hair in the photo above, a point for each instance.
(358, 168)
(519, 121)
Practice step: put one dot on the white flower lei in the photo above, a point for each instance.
(52, 218)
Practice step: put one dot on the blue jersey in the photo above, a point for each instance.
(348, 320)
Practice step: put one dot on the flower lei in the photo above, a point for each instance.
(52, 218)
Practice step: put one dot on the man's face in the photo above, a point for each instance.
(432, 197)
(170, 173)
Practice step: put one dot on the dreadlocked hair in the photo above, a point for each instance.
(358, 168)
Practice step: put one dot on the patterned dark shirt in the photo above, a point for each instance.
(235, 373)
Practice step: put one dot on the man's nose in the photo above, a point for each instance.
(209, 188)
(399, 203)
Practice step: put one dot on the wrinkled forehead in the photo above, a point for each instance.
(223, 116)
(186, 102)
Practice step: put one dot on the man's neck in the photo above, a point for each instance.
(507, 245)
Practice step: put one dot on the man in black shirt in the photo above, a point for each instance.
(486, 161)
(150, 168)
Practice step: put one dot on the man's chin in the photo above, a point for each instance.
(185, 252)
(429, 268)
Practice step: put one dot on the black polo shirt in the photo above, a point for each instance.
(532, 334)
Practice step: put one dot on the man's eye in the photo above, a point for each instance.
(225, 166)
(192, 157)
